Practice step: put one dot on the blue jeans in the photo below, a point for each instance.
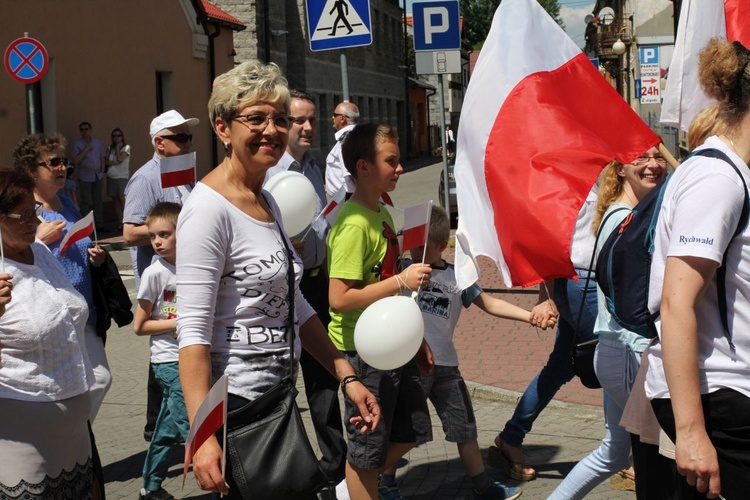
(616, 368)
(558, 371)
(171, 426)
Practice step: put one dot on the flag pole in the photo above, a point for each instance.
(429, 216)
(668, 156)
(311, 224)
(96, 240)
(224, 443)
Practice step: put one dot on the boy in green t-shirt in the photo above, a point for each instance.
(362, 256)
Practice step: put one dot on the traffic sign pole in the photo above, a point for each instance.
(446, 191)
(344, 78)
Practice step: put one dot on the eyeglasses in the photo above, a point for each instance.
(116, 135)
(181, 138)
(29, 217)
(644, 160)
(338, 114)
(260, 122)
(54, 163)
(84, 129)
(300, 120)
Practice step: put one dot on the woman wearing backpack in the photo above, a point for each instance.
(619, 350)
(698, 376)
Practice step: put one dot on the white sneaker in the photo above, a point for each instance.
(342, 492)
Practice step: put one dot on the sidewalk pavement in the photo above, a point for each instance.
(498, 359)
(564, 433)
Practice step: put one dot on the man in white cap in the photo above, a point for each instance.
(170, 135)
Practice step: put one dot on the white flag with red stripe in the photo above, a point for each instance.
(531, 146)
(416, 226)
(331, 211)
(700, 20)
(77, 231)
(210, 417)
(177, 170)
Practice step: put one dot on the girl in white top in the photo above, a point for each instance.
(619, 350)
(118, 171)
(232, 266)
(699, 375)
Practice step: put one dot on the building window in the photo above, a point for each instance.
(164, 92)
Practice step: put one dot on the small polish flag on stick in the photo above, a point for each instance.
(210, 417)
(78, 231)
(332, 209)
(416, 226)
(177, 170)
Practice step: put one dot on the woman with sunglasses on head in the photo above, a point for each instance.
(233, 264)
(45, 374)
(117, 165)
(698, 377)
(42, 157)
(619, 350)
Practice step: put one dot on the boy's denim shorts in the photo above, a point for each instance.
(404, 416)
(446, 389)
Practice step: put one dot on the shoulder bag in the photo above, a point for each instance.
(583, 354)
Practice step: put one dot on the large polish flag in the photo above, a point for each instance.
(177, 170)
(78, 231)
(538, 124)
(700, 20)
(210, 417)
(416, 226)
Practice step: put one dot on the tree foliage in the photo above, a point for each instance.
(478, 16)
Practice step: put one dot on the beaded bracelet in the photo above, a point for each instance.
(348, 380)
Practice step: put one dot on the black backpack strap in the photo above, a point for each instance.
(588, 277)
(721, 273)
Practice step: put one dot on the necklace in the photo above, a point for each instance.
(255, 204)
(731, 144)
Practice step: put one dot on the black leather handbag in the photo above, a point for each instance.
(268, 451)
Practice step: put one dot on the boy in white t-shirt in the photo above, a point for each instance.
(441, 302)
(156, 315)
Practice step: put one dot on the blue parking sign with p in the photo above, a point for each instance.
(436, 25)
(649, 54)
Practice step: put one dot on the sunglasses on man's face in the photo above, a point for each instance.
(179, 138)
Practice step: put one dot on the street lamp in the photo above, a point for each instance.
(619, 48)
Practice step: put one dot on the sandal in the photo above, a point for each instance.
(498, 456)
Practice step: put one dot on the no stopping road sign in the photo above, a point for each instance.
(26, 60)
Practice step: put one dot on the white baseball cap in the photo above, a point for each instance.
(170, 119)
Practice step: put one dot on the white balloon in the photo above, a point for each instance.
(389, 332)
(296, 198)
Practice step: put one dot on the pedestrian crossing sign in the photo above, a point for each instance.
(337, 24)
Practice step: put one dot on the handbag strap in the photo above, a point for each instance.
(588, 276)
(290, 296)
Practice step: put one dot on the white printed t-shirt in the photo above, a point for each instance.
(440, 302)
(699, 214)
(232, 280)
(159, 286)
